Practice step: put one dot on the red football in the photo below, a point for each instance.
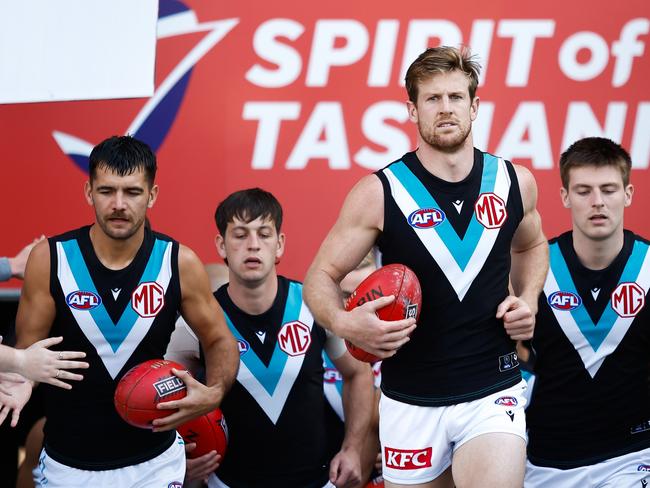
(143, 387)
(392, 279)
(209, 432)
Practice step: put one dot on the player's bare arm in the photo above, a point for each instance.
(358, 405)
(203, 314)
(353, 235)
(529, 251)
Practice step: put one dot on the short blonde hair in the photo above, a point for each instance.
(442, 59)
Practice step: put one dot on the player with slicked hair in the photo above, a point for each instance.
(113, 290)
(465, 221)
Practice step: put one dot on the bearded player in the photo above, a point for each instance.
(465, 221)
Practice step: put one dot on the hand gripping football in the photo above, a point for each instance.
(143, 387)
(392, 279)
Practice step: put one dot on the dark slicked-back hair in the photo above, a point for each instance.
(442, 59)
(123, 155)
(595, 151)
(248, 205)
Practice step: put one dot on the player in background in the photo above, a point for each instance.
(275, 410)
(333, 385)
(113, 290)
(589, 418)
(465, 222)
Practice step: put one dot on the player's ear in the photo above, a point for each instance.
(280, 250)
(220, 244)
(629, 191)
(153, 195)
(564, 195)
(88, 193)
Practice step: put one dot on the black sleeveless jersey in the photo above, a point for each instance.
(276, 409)
(592, 338)
(120, 319)
(456, 238)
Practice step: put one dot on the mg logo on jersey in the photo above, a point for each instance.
(628, 299)
(564, 300)
(407, 458)
(148, 299)
(506, 401)
(294, 338)
(169, 385)
(243, 346)
(490, 210)
(83, 300)
(426, 218)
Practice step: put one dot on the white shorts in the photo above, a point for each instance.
(166, 470)
(214, 482)
(628, 471)
(418, 442)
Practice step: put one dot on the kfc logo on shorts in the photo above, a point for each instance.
(294, 338)
(564, 300)
(506, 401)
(490, 210)
(407, 458)
(628, 299)
(83, 300)
(148, 299)
(426, 218)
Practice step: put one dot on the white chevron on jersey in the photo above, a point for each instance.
(114, 361)
(273, 403)
(593, 359)
(459, 279)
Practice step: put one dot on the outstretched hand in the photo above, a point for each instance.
(39, 364)
(13, 397)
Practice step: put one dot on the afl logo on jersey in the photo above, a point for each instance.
(506, 401)
(490, 210)
(175, 484)
(628, 299)
(148, 299)
(426, 218)
(564, 300)
(643, 467)
(83, 300)
(243, 346)
(332, 375)
(294, 338)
